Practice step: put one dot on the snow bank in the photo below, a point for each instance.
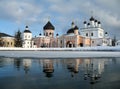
(97, 48)
(61, 52)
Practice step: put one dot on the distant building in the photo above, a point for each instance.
(6, 40)
(72, 38)
(47, 39)
(94, 31)
(27, 39)
(90, 35)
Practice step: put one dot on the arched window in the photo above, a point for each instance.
(81, 44)
(91, 34)
(61, 41)
(86, 34)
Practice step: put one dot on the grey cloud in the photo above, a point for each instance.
(19, 11)
(63, 11)
(104, 10)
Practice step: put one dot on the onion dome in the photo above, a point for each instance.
(48, 26)
(88, 24)
(106, 33)
(72, 23)
(27, 30)
(84, 22)
(40, 34)
(71, 30)
(99, 22)
(92, 19)
(57, 34)
(76, 28)
(95, 20)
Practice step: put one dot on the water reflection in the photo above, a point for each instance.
(86, 70)
(17, 63)
(93, 70)
(27, 65)
(1, 62)
(48, 67)
(73, 66)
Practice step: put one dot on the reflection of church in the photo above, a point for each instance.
(73, 66)
(48, 68)
(27, 64)
(90, 35)
(93, 69)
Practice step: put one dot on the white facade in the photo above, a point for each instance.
(92, 32)
(96, 34)
(27, 39)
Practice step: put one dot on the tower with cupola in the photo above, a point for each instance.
(93, 30)
(48, 29)
(27, 38)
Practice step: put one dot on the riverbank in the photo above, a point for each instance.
(61, 52)
(97, 48)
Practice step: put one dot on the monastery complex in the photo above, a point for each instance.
(90, 34)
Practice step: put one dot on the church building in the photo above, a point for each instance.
(47, 39)
(91, 34)
(72, 38)
(27, 39)
(93, 30)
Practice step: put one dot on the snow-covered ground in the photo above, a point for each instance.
(97, 48)
(61, 52)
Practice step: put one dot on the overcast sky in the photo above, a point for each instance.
(15, 14)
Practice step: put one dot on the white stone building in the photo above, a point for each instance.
(94, 31)
(27, 39)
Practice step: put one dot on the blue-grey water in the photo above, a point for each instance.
(81, 73)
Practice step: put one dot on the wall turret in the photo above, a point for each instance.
(99, 24)
(73, 24)
(27, 38)
(96, 23)
(92, 23)
(76, 30)
(85, 24)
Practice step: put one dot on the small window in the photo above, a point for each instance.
(61, 41)
(91, 34)
(86, 34)
(46, 34)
